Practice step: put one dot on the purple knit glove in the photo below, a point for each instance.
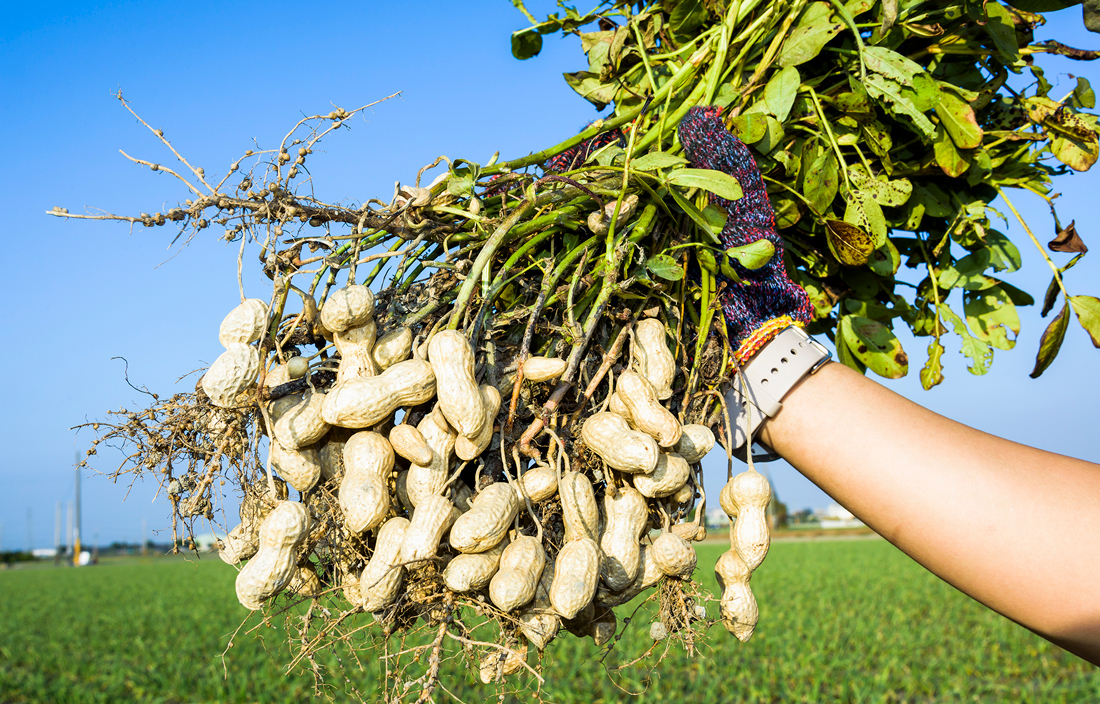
(574, 157)
(765, 300)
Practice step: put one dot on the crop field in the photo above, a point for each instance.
(841, 621)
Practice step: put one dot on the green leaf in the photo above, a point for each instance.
(932, 372)
(992, 316)
(1018, 297)
(948, 156)
(850, 245)
(706, 224)
(720, 184)
(1003, 255)
(885, 260)
(821, 182)
(1000, 27)
(1084, 94)
(845, 356)
(664, 266)
(959, 119)
(773, 136)
(656, 160)
(863, 212)
(1087, 309)
(716, 217)
(780, 92)
(752, 255)
(1051, 341)
(875, 345)
(706, 259)
(685, 17)
(968, 272)
(526, 43)
(805, 42)
(980, 353)
(750, 127)
(891, 65)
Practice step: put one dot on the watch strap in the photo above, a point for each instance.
(759, 389)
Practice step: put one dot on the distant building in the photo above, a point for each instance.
(835, 516)
(717, 518)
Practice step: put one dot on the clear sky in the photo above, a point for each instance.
(215, 77)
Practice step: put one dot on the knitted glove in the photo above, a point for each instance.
(765, 301)
(574, 157)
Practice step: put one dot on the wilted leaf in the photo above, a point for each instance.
(754, 254)
(1068, 240)
(720, 184)
(780, 92)
(863, 212)
(849, 244)
(526, 43)
(588, 85)
(958, 117)
(1051, 341)
(1053, 289)
(656, 160)
(980, 353)
(932, 372)
(875, 345)
(665, 266)
(1087, 309)
(461, 185)
(806, 42)
(992, 316)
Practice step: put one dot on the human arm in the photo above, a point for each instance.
(1016, 528)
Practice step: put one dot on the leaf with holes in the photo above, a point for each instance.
(863, 212)
(991, 316)
(932, 372)
(980, 353)
(752, 255)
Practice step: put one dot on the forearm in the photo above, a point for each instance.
(1016, 528)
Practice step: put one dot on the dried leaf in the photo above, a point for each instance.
(1068, 240)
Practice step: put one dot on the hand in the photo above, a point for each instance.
(765, 301)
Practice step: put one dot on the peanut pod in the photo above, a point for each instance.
(521, 566)
(268, 573)
(471, 572)
(428, 479)
(381, 578)
(488, 521)
(300, 468)
(737, 606)
(609, 436)
(748, 494)
(696, 441)
(410, 444)
(232, 373)
(244, 324)
(430, 521)
(367, 401)
(576, 573)
(625, 518)
(364, 491)
(393, 347)
(469, 448)
(348, 307)
(578, 507)
(673, 555)
(302, 424)
(355, 345)
(646, 412)
(540, 369)
(452, 360)
(652, 358)
(671, 473)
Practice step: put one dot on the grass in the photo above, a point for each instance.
(841, 621)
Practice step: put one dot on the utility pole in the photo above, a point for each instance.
(144, 539)
(76, 519)
(69, 528)
(57, 534)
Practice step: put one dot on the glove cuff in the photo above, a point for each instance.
(762, 336)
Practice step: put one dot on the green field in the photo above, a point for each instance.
(841, 621)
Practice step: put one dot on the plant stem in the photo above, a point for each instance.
(1035, 241)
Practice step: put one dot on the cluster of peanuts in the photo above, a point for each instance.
(401, 482)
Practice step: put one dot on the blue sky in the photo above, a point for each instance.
(215, 77)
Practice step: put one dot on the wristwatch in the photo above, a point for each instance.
(758, 391)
